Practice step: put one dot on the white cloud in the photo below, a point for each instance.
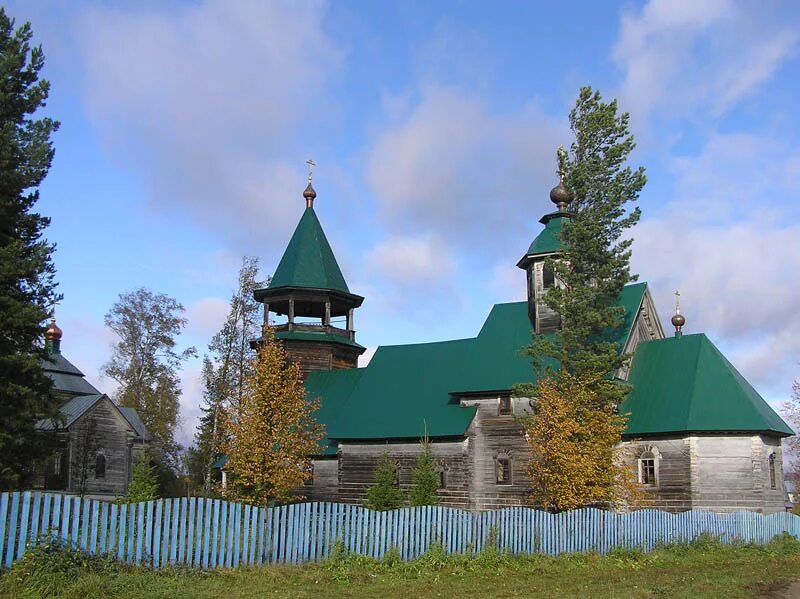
(411, 261)
(205, 317)
(456, 168)
(681, 56)
(731, 243)
(206, 100)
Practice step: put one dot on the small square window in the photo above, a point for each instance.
(505, 406)
(503, 470)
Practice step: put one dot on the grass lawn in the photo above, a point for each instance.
(703, 569)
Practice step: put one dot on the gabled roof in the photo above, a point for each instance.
(685, 384)
(308, 260)
(70, 411)
(76, 407)
(132, 416)
(407, 388)
(66, 377)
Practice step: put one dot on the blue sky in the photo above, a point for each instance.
(186, 127)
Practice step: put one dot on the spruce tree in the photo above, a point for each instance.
(144, 482)
(425, 480)
(385, 494)
(595, 262)
(27, 274)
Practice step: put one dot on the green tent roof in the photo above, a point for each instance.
(308, 260)
(549, 240)
(685, 384)
(66, 377)
(407, 388)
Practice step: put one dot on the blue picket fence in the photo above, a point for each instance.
(206, 533)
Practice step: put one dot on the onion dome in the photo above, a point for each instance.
(561, 196)
(53, 332)
(678, 320)
(309, 194)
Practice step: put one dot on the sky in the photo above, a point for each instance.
(185, 128)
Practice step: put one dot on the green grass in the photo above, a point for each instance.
(703, 569)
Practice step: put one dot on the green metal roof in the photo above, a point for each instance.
(685, 384)
(66, 377)
(308, 260)
(132, 416)
(549, 240)
(312, 336)
(332, 388)
(407, 388)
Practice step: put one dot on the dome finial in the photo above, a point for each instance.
(678, 319)
(560, 195)
(52, 337)
(309, 194)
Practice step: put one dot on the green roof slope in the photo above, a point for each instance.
(308, 260)
(407, 388)
(685, 384)
(332, 388)
(66, 377)
(548, 240)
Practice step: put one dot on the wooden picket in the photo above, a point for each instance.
(206, 533)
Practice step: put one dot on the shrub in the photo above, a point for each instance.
(49, 563)
(384, 494)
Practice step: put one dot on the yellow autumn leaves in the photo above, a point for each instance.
(573, 438)
(271, 432)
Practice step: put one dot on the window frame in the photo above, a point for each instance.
(647, 462)
(773, 478)
(503, 463)
(504, 406)
(100, 474)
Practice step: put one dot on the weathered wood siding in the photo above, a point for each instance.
(312, 355)
(115, 441)
(720, 473)
(492, 435)
(646, 327)
(672, 493)
(731, 473)
(324, 484)
(358, 461)
(544, 317)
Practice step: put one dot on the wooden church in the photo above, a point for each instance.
(700, 436)
(98, 441)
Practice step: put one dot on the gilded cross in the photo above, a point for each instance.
(677, 302)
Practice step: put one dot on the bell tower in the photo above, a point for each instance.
(546, 245)
(309, 289)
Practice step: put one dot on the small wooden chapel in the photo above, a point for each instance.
(700, 436)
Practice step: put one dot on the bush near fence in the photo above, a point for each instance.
(211, 533)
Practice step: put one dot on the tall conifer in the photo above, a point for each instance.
(595, 262)
(27, 275)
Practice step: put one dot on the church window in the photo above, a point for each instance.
(100, 466)
(773, 483)
(505, 406)
(548, 277)
(503, 470)
(647, 469)
(57, 463)
(443, 477)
